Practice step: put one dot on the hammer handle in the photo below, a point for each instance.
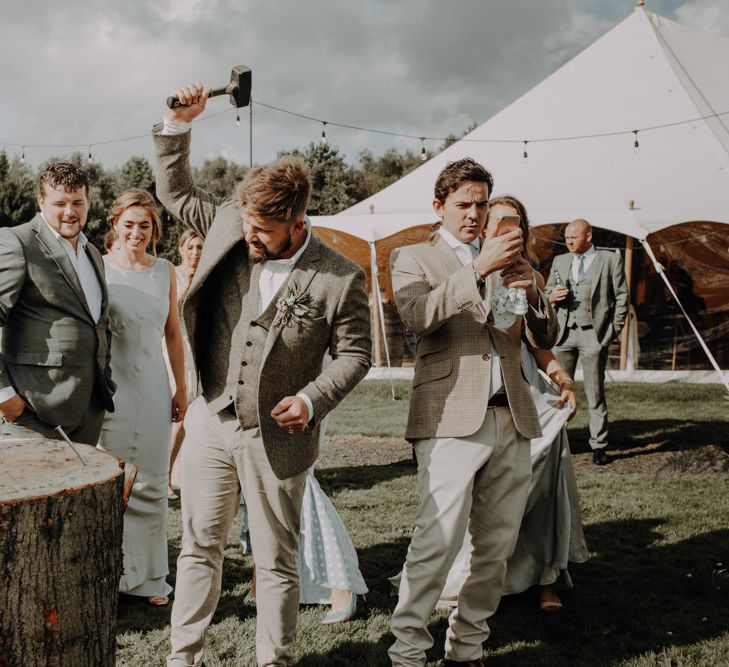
(173, 101)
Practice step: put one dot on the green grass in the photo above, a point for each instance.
(654, 592)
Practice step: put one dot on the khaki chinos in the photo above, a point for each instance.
(218, 461)
(495, 463)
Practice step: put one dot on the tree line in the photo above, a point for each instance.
(336, 184)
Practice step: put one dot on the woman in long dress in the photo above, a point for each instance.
(143, 312)
(190, 247)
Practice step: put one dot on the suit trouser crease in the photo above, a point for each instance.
(583, 343)
(218, 460)
(495, 464)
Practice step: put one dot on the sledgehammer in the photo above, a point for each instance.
(239, 89)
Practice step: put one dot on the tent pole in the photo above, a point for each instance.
(661, 272)
(375, 287)
(629, 281)
(380, 331)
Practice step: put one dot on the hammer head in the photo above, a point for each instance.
(240, 86)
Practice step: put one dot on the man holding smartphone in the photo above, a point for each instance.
(471, 413)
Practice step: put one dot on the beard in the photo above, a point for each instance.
(270, 253)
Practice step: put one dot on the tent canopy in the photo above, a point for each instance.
(647, 73)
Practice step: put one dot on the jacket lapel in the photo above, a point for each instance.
(56, 252)
(221, 239)
(301, 276)
(596, 270)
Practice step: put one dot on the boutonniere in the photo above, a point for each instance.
(293, 307)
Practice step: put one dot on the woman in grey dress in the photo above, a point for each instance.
(143, 312)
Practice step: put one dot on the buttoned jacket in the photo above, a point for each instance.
(608, 289)
(52, 352)
(439, 300)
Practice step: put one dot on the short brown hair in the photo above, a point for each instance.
(137, 198)
(62, 175)
(455, 174)
(279, 190)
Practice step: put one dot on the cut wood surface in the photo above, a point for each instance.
(60, 553)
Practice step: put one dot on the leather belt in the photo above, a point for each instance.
(499, 400)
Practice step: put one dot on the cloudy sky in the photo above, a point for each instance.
(86, 72)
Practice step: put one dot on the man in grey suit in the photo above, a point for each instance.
(54, 350)
(471, 413)
(267, 302)
(591, 300)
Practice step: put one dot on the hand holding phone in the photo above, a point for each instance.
(506, 224)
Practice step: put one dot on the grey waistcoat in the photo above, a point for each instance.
(580, 309)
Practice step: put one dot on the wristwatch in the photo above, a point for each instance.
(480, 280)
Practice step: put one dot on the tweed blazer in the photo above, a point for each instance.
(439, 300)
(52, 352)
(338, 321)
(609, 302)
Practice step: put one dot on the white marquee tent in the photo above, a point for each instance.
(650, 74)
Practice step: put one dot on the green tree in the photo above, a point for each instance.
(17, 192)
(331, 179)
(219, 176)
(371, 174)
(136, 172)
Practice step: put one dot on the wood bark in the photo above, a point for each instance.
(60, 554)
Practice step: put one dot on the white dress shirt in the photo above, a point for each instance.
(589, 256)
(87, 277)
(466, 253)
(274, 273)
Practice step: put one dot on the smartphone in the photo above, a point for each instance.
(507, 224)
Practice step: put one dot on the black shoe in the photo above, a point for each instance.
(600, 457)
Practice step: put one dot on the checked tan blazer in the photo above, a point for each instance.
(439, 300)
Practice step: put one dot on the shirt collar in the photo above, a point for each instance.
(81, 239)
(454, 243)
(588, 253)
(290, 261)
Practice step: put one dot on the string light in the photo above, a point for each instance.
(423, 154)
(636, 143)
(91, 157)
(323, 140)
(237, 118)
(22, 156)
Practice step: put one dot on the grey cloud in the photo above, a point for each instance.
(83, 72)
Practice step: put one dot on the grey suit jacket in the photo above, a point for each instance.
(52, 351)
(609, 303)
(438, 299)
(337, 322)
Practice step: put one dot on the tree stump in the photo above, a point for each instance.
(60, 554)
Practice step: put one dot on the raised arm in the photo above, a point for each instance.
(176, 190)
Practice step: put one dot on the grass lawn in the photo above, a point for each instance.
(655, 591)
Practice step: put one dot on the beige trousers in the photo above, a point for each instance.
(479, 483)
(219, 459)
